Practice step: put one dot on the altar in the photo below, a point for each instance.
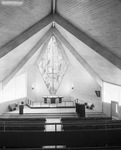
(52, 99)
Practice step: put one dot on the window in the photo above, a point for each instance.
(52, 66)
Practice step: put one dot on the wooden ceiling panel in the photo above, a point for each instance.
(100, 19)
(16, 19)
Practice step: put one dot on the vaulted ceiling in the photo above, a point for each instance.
(88, 29)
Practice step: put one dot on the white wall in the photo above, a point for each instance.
(36, 87)
(110, 92)
(14, 92)
(15, 89)
(84, 87)
(65, 86)
(83, 83)
(4, 105)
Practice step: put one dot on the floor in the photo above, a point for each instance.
(52, 111)
(46, 110)
(53, 127)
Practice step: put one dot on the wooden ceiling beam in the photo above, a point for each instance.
(25, 35)
(54, 6)
(103, 51)
(78, 57)
(27, 57)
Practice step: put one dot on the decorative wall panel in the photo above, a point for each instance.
(52, 66)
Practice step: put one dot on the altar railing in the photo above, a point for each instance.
(49, 104)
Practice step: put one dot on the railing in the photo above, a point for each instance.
(69, 139)
(62, 147)
(49, 104)
(83, 138)
(55, 127)
(27, 127)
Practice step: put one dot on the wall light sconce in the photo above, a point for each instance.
(32, 88)
(72, 87)
(97, 93)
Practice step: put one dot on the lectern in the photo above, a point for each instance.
(80, 109)
(21, 107)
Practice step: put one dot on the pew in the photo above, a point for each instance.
(86, 119)
(83, 125)
(82, 138)
(77, 124)
(24, 126)
(88, 134)
(22, 119)
(72, 127)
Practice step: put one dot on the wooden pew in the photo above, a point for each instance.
(81, 138)
(83, 126)
(22, 119)
(86, 119)
(22, 124)
(77, 124)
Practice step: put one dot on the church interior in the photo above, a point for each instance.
(60, 74)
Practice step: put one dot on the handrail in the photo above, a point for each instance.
(64, 102)
(106, 125)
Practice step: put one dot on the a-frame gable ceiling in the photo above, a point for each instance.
(75, 16)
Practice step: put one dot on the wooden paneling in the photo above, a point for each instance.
(97, 47)
(101, 19)
(16, 19)
(25, 35)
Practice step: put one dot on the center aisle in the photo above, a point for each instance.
(53, 127)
